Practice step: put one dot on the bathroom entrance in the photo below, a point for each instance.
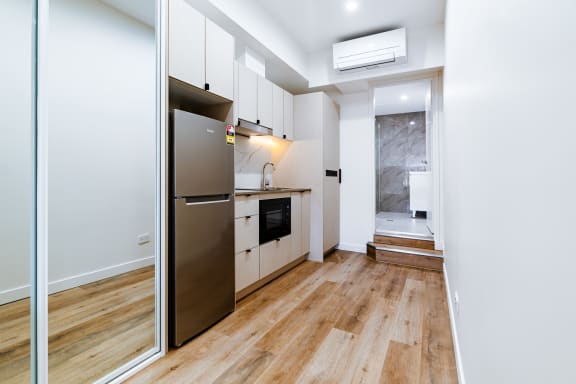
(404, 158)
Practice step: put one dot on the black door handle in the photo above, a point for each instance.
(340, 176)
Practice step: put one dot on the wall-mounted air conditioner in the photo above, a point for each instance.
(371, 51)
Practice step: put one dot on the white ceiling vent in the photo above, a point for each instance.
(371, 51)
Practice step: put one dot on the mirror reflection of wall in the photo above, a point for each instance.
(101, 186)
(16, 188)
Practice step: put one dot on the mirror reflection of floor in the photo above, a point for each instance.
(93, 329)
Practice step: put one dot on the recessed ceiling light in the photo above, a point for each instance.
(404, 97)
(351, 6)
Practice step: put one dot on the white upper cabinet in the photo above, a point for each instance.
(288, 116)
(200, 52)
(219, 61)
(265, 104)
(247, 94)
(187, 43)
(278, 101)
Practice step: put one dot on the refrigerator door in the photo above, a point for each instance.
(202, 269)
(203, 163)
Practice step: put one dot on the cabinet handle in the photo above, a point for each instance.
(258, 122)
(248, 251)
(277, 239)
(248, 217)
(206, 87)
(283, 136)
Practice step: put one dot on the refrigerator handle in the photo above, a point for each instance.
(214, 199)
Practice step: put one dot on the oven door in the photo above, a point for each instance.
(274, 219)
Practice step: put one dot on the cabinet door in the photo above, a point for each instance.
(331, 185)
(305, 220)
(265, 104)
(278, 111)
(270, 253)
(246, 230)
(247, 268)
(247, 94)
(187, 43)
(219, 61)
(288, 116)
(274, 255)
(296, 224)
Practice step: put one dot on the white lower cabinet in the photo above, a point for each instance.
(296, 225)
(274, 255)
(246, 229)
(305, 223)
(247, 267)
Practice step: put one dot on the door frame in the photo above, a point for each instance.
(437, 156)
(39, 302)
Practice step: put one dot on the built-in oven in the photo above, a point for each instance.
(274, 219)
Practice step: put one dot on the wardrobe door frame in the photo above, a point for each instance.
(39, 302)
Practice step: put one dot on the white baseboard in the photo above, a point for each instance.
(458, 355)
(22, 292)
(361, 248)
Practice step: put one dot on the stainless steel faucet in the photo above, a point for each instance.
(264, 184)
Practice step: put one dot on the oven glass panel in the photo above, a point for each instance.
(274, 219)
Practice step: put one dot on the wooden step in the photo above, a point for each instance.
(406, 256)
(404, 241)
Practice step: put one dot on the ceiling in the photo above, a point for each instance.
(317, 24)
(401, 98)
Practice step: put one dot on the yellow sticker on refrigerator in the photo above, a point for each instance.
(230, 134)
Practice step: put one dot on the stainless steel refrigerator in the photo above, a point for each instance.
(201, 274)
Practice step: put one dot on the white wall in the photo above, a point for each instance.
(425, 52)
(101, 161)
(15, 147)
(357, 191)
(510, 183)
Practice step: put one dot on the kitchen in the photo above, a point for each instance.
(195, 191)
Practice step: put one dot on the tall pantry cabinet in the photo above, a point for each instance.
(313, 160)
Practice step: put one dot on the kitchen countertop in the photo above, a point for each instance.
(244, 192)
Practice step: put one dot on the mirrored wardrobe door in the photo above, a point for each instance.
(101, 127)
(16, 187)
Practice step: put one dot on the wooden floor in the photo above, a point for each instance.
(349, 320)
(93, 329)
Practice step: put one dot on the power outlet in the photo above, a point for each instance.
(456, 303)
(143, 238)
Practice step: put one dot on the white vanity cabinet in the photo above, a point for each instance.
(200, 52)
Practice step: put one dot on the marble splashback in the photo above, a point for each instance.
(250, 154)
(400, 148)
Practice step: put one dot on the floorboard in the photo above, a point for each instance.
(93, 329)
(348, 320)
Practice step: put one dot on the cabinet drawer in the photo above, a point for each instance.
(274, 255)
(246, 229)
(247, 268)
(246, 206)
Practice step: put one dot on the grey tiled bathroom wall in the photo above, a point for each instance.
(400, 148)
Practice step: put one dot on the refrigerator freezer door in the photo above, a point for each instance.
(203, 162)
(202, 275)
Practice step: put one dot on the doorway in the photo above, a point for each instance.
(404, 118)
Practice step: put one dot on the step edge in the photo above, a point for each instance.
(405, 235)
(404, 251)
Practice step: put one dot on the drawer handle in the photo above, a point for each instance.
(248, 251)
(277, 239)
(248, 217)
